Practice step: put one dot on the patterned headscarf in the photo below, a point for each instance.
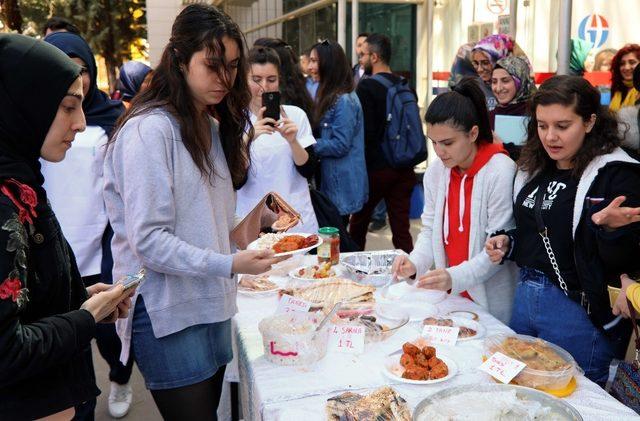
(496, 46)
(519, 70)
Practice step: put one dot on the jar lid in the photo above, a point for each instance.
(328, 231)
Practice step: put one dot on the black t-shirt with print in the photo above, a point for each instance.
(557, 212)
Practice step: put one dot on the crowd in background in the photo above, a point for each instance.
(161, 169)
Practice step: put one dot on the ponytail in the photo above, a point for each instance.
(464, 107)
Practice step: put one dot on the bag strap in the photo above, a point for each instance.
(542, 230)
(382, 80)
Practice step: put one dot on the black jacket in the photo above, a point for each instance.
(45, 354)
(601, 256)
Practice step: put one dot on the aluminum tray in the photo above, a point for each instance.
(370, 268)
(560, 408)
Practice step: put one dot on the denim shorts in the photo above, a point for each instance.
(183, 358)
(541, 309)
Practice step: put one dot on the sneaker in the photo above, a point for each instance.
(377, 225)
(120, 399)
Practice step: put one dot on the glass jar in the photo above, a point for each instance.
(329, 250)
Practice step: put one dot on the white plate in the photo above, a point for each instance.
(255, 245)
(416, 312)
(471, 324)
(393, 362)
(294, 274)
(409, 293)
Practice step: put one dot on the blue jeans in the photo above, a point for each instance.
(541, 309)
(380, 212)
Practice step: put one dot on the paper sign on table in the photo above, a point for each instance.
(502, 368)
(441, 335)
(290, 304)
(348, 339)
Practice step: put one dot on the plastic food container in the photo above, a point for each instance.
(291, 339)
(378, 327)
(370, 268)
(548, 365)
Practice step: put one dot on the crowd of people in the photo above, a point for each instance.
(161, 171)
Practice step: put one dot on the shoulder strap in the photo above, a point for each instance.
(382, 80)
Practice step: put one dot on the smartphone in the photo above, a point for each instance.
(271, 100)
(613, 294)
(131, 281)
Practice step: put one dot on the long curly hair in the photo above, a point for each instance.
(617, 83)
(199, 27)
(584, 99)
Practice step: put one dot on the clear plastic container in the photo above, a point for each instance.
(291, 339)
(378, 327)
(548, 365)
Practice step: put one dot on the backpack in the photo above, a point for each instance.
(404, 144)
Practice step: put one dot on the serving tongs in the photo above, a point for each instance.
(324, 321)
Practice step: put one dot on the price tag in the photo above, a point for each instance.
(502, 368)
(441, 335)
(290, 304)
(348, 339)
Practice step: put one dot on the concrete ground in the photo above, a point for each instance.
(143, 408)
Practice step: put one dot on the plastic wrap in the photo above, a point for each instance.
(548, 365)
(371, 268)
(378, 325)
(493, 402)
(382, 404)
(291, 339)
(325, 293)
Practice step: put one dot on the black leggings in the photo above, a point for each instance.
(194, 402)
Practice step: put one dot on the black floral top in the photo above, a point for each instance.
(45, 354)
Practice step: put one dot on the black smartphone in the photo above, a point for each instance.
(271, 100)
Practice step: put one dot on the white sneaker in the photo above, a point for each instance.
(120, 399)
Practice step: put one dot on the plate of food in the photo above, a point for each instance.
(285, 244)
(315, 272)
(419, 365)
(256, 285)
(326, 292)
(493, 402)
(469, 329)
(382, 404)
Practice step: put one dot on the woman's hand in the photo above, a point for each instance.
(439, 279)
(621, 306)
(107, 305)
(288, 129)
(616, 216)
(402, 267)
(497, 247)
(254, 262)
(263, 125)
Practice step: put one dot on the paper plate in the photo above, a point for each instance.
(471, 324)
(294, 274)
(416, 312)
(256, 245)
(393, 370)
(404, 292)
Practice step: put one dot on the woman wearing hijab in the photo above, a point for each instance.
(47, 317)
(134, 77)
(75, 191)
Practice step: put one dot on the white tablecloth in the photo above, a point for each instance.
(272, 392)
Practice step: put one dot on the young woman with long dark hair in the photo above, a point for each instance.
(282, 157)
(47, 316)
(572, 194)
(292, 81)
(339, 130)
(170, 173)
(467, 197)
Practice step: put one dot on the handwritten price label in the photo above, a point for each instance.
(441, 335)
(502, 368)
(348, 339)
(289, 304)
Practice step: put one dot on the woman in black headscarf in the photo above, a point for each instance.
(47, 320)
(75, 192)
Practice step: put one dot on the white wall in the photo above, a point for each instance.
(259, 12)
(160, 17)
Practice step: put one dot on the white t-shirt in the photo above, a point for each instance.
(74, 188)
(273, 169)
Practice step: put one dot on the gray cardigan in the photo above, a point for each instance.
(491, 286)
(172, 221)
